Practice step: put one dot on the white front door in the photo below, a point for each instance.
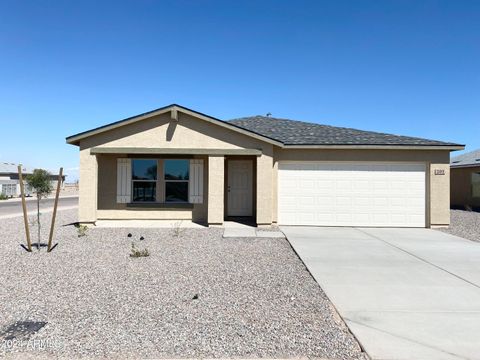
(351, 194)
(239, 188)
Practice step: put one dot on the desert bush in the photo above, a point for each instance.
(136, 253)
(81, 230)
(177, 229)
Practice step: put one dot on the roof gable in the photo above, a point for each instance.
(174, 109)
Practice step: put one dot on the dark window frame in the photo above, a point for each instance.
(161, 182)
(166, 181)
(154, 181)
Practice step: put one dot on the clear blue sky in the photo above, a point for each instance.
(403, 67)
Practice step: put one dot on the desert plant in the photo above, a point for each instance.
(136, 253)
(177, 228)
(81, 230)
(40, 182)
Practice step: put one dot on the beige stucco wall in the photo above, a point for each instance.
(438, 195)
(87, 201)
(461, 187)
(145, 214)
(216, 166)
(108, 208)
(265, 189)
(161, 132)
(189, 132)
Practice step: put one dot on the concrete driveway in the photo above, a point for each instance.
(404, 293)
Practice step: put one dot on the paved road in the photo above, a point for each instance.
(404, 293)
(15, 207)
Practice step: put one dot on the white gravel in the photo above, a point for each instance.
(255, 297)
(465, 224)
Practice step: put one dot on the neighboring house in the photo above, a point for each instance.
(10, 183)
(465, 180)
(176, 163)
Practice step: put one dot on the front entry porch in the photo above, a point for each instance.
(244, 194)
(205, 187)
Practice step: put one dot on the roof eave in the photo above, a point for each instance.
(379, 147)
(464, 166)
(75, 139)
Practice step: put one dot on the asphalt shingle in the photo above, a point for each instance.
(292, 132)
(471, 158)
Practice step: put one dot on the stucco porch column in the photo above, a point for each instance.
(88, 187)
(265, 190)
(216, 178)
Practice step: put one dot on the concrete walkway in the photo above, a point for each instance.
(235, 229)
(404, 293)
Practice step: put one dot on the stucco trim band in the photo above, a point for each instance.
(166, 151)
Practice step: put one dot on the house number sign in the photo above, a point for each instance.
(439, 172)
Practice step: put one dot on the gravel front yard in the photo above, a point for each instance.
(465, 224)
(196, 295)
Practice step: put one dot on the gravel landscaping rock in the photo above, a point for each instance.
(196, 295)
(465, 224)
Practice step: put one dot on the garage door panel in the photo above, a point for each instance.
(288, 202)
(306, 202)
(324, 184)
(361, 218)
(360, 201)
(351, 194)
(416, 218)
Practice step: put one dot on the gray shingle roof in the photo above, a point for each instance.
(11, 168)
(292, 132)
(471, 158)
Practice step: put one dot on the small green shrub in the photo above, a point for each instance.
(136, 253)
(81, 230)
(3, 197)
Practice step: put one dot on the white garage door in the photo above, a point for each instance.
(351, 194)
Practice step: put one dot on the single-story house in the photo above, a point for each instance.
(177, 163)
(465, 180)
(10, 182)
